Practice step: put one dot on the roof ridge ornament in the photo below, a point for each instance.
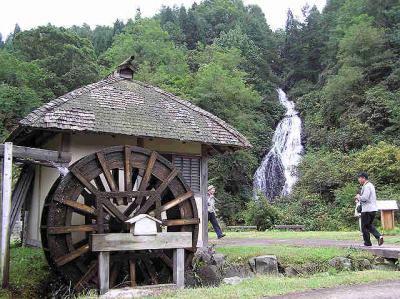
(127, 68)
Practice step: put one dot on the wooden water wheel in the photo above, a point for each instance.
(100, 192)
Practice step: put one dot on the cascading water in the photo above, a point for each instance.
(278, 171)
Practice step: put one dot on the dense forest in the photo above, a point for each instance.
(341, 67)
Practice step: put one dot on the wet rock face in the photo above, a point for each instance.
(265, 265)
(274, 177)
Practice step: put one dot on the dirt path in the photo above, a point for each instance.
(375, 290)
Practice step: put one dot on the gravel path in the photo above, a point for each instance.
(388, 251)
(375, 290)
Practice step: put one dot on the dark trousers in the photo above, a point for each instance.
(367, 227)
(214, 222)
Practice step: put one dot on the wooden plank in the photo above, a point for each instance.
(37, 155)
(114, 210)
(127, 241)
(72, 255)
(104, 272)
(79, 207)
(20, 193)
(6, 214)
(174, 202)
(106, 171)
(179, 222)
(203, 191)
(127, 169)
(150, 201)
(72, 228)
(81, 284)
(132, 272)
(84, 182)
(179, 267)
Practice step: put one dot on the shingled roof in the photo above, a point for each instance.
(120, 105)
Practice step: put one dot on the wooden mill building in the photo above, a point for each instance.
(130, 139)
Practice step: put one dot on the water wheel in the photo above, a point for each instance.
(100, 192)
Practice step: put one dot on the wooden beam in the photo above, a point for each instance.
(174, 202)
(5, 213)
(127, 241)
(132, 272)
(71, 228)
(38, 156)
(20, 193)
(104, 272)
(179, 222)
(72, 255)
(79, 207)
(203, 188)
(179, 267)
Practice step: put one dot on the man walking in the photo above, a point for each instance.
(211, 212)
(367, 199)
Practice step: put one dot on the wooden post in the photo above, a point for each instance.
(6, 214)
(104, 271)
(179, 267)
(203, 187)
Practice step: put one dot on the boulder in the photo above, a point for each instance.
(265, 264)
(242, 270)
(385, 267)
(290, 271)
(219, 260)
(209, 275)
(340, 263)
(232, 280)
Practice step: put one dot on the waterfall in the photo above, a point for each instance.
(277, 173)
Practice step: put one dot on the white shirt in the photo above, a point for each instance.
(211, 203)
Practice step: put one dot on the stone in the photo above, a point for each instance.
(340, 263)
(209, 275)
(242, 270)
(232, 280)
(219, 260)
(385, 267)
(290, 271)
(126, 293)
(365, 264)
(265, 264)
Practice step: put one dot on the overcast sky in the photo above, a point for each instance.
(31, 13)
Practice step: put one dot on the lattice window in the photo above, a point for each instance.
(190, 169)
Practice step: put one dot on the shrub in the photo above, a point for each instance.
(261, 214)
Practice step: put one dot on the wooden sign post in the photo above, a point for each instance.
(6, 183)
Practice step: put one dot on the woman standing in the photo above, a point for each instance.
(211, 212)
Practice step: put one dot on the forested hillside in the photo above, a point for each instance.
(342, 69)
(341, 66)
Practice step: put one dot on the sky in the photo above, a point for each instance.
(32, 13)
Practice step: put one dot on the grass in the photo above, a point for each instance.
(28, 273)
(292, 235)
(269, 286)
(313, 258)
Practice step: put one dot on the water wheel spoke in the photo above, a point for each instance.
(167, 260)
(99, 184)
(83, 181)
(85, 279)
(72, 255)
(80, 207)
(174, 202)
(127, 169)
(132, 272)
(106, 171)
(71, 228)
(179, 222)
(152, 199)
(143, 270)
(151, 270)
(114, 210)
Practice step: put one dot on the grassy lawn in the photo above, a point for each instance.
(268, 286)
(292, 255)
(28, 273)
(322, 235)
